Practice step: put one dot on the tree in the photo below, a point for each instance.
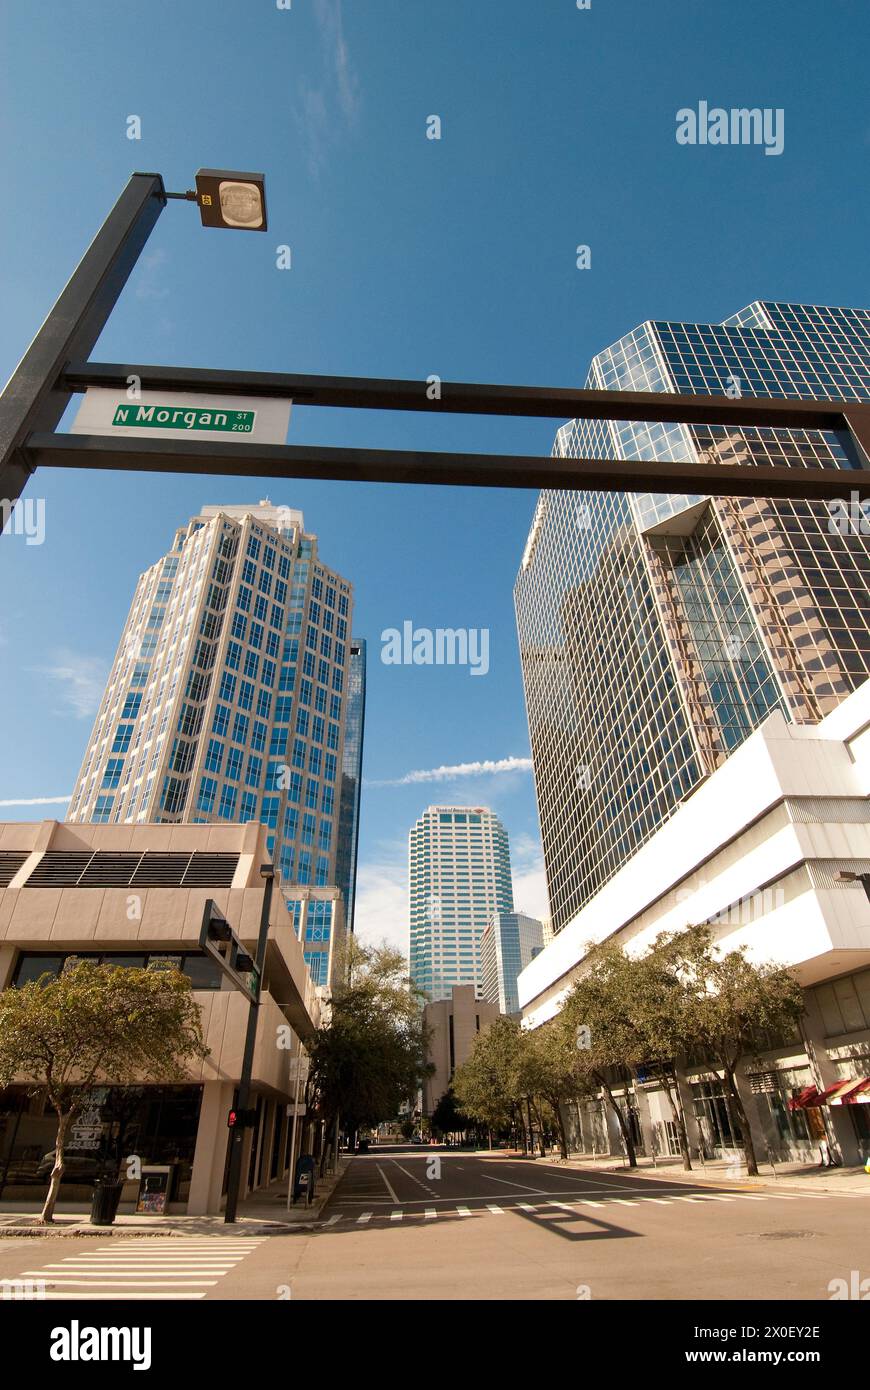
(598, 1014)
(548, 1069)
(447, 1118)
(650, 993)
(733, 1002)
(95, 1022)
(369, 1058)
(487, 1084)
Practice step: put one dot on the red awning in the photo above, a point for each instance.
(803, 1098)
(856, 1093)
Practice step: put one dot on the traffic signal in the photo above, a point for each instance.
(241, 1119)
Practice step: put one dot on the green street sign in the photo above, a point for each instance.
(174, 417)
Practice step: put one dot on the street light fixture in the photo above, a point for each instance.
(847, 876)
(35, 396)
(230, 199)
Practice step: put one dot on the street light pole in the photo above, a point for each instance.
(35, 397)
(237, 1141)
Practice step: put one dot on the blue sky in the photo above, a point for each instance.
(410, 257)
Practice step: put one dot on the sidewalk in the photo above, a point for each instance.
(263, 1213)
(801, 1176)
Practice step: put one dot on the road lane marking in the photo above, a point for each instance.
(332, 1220)
(387, 1183)
(425, 1186)
(524, 1186)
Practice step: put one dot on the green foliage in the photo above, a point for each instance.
(95, 1022)
(447, 1118)
(370, 1057)
(488, 1083)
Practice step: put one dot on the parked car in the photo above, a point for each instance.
(82, 1167)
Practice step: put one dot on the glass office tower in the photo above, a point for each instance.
(227, 698)
(657, 631)
(351, 778)
(459, 875)
(509, 943)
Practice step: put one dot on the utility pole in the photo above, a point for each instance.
(35, 397)
(237, 1141)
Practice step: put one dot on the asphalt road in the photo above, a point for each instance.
(421, 1224)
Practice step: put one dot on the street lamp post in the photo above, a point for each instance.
(237, 1140)
(37, 393)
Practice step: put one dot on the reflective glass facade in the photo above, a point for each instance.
(351, 778)
(227, 696)
(656, 632)
(510, 942)
(459, 875)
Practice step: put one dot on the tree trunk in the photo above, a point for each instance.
(57, 1171)
(540, 1119)
(672, 1087)
(623, 1126)
(563, 1137)
(737, 1104)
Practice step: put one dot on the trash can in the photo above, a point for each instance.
(303, 1186)
(104, 1203)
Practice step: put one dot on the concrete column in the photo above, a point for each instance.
(838, 1122)
(693, 1129)
(7, 960)
(209, 1156)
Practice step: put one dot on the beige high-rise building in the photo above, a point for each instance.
(227, 697)
(454, 1024)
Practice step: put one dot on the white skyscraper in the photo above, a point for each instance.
(459, 875)
(226, 699)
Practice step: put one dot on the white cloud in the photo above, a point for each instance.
(450, 772)
(149, 281)
(324, 106)
(329, 20)
(35, 801)
(80, 681)
(529, 877)
(381, 910)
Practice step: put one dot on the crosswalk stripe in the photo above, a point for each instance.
(366, 1216)
(463, 1211)
(121, 1297)
(132, 1283)
(396, 1215)
(622, 1202)
(167, 1270)
(525, 1206)
(587, 1202)
(430, 1213)
(496, 1211)
(659, 1201)
(332, 1220)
